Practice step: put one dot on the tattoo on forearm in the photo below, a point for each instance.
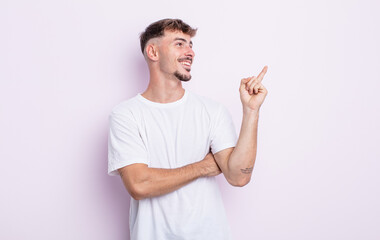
(247, 170)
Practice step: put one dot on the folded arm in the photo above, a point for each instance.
(142, 181)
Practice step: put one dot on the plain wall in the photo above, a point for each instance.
(65, 64)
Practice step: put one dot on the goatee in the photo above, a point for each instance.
(182, 77)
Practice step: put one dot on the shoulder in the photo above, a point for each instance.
(126, 108)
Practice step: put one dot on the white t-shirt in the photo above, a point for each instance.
(171, 135)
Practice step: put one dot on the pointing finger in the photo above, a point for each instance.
(263, 72)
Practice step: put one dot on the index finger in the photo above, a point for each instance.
(261, 75)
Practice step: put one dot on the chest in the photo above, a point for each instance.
(175, 137)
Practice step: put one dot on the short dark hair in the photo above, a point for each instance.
(157, 29)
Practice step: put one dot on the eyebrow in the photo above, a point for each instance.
(183, 40)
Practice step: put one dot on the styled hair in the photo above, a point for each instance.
(157, 29)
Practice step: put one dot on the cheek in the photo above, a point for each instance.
(168, 64)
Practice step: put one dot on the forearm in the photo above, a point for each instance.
(242, 159)
(160, 181)
(144, 182)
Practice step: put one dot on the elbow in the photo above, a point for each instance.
(241, 182)
(135, 181)
(137, 192)
(135, 195)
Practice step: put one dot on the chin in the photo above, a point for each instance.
(182, 77)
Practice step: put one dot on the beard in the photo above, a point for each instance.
(182, 77)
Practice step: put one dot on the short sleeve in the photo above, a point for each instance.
(223, 133)
(125, 145)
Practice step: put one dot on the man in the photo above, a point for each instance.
(160, 143)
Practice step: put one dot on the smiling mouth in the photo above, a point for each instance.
(186, 63)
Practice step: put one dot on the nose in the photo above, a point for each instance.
(190, 52)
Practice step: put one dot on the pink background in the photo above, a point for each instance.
(65, 64)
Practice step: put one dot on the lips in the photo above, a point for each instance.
(186, 63)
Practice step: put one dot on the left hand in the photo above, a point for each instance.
(253, 92)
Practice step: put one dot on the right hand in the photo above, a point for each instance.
(253, 92)
(209, 167)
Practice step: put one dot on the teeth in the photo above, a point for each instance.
(185, 63)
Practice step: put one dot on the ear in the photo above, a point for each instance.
(152, 52)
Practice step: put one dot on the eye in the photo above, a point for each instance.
(179, 44)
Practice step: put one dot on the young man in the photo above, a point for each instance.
(168, 144)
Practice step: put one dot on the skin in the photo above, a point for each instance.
(237, 163)
(165, 57)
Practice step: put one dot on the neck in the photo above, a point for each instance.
(163, 89)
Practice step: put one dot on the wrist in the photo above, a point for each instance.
(199, 169)
(250, 112)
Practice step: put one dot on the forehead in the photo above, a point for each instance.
(173, 35)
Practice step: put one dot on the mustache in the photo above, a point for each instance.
(186, 58)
